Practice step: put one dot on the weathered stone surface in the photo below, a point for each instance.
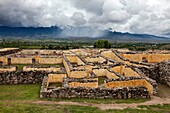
(80, 92)
(160, 72)
(164, 72)
(21, 77)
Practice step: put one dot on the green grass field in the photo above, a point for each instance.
(19, 92)
(31, 92)
(19, 98)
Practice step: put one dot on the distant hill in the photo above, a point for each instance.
(28, 31)
(128, 37)
(79, 34)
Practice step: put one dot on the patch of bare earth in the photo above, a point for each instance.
(163, 91)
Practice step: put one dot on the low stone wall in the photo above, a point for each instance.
(49, 69)
(54, 78)
(7, 69)
(20, 77)
(130, 83)
(124, 79)
(80, 92)
(7, 51)
(21, 60)
(85, 85)
(105, 72)
(95, 59)
(47, 60)
(126, 71)
(151, 58)
(78, 73)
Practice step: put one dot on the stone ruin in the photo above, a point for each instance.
(87, 73)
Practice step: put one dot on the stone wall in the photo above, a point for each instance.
(54, 78)
(7, 51)
(158, 57)
(87, 82)
(4, 60)
(54, 60)
(7, 69)
(21, 60)
(160, 72)
(67, 65)
(152, 58)
(73, 72)
(95, 59)
(133, 57)
(150, 80)
(72, 58)
(78, 74)
(80, 61)
(164, 72)
(20, 77)
(129, 83)
(75, 59)
(111, 55)
(125, 71)
(45, 68)
(104, 72)
(85, 85)
(80, 92)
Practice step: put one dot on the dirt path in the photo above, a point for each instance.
(154, 101)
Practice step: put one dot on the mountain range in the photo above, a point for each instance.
(78, 34)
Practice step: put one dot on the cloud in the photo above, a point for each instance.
(78, 19)
(92, 6)
(135, 16)
(35, 12)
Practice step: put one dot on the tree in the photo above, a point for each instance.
(50, 46)
(102, 44)
(43, 47)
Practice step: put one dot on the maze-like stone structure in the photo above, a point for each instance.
(85, 73)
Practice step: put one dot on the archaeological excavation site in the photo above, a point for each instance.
(87, 73)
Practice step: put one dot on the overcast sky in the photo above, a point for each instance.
(134, 16)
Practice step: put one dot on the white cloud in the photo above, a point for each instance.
(78, 19)
(136, 16)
